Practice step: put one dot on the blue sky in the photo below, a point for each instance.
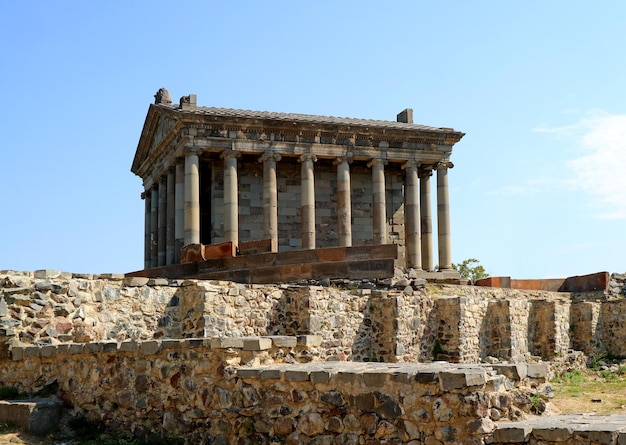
(538, 188)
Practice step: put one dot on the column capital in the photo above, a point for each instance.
(307, 157)
(144, 194)
(442, 165)
(425, 172)
(377, 162)
(341, 159)
(270, 156)
(411, 163)
(226, 154)
(190, 150)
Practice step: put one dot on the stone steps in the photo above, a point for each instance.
(563, 429)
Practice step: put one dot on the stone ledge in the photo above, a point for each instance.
(447, 376)
(151, 347)
(567, 428)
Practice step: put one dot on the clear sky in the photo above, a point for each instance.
(539, 184)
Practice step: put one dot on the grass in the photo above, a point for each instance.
(601, 392)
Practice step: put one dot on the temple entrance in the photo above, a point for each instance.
(205, 200)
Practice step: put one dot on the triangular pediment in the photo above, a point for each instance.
(157, 126)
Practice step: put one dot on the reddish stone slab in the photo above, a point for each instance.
(331, 254)
(253, 247)
(222, 250)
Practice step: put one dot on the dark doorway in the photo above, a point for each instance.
(205, 201)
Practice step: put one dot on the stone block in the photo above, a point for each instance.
(270, 374)
(112, 276)
(31, 351)
(554, 434)
(43, 274)
(375, 379)
(310, 341)
(190, 343)
(158, 282)
(150, 347)
(427, 377)
(77, 348)
(254, 247)
(135, 281)
(320, 376)
(227, 342)
(256, 344)
(93, 347)
(538, 370)
(246, 373)
(109, 346)
(296, 376)
(283, 341)
(128, 346)
(48, 351)
(295, 272)
(265, 275)
(461, 379)
(18, 352)
(511, 433)
(338, 269)
(36, 417)
(515, 371)
(331, 254)
(171, 344)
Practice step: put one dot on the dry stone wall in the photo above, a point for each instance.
(232, 391)
(398, 324)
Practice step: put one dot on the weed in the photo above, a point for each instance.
(437, 349)
(6, 427)
(8, 393)
(574, 377)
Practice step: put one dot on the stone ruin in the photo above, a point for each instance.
(397, 361)
(289, 296)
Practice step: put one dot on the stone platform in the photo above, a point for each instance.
(359, 262)
(563, 429)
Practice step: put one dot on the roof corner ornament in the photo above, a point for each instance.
(162, 97)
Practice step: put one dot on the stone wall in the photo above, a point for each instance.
(232, 391)
(455, 323)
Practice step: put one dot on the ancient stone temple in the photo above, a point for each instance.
(295, 181)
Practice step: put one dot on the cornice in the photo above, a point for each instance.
(256, 136)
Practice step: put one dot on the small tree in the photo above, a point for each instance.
(470, 270)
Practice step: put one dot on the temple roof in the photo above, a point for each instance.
(305, 118)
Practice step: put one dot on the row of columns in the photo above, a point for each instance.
(172, 208)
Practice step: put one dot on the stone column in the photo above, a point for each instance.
(443, 216)
(344, 201)
(426, 220)
(307, 210)
(412, 216)
(154, 226)
(231, 196)
(270, 197)
(179, 211)
(162, 219)
(192, 196)
(171, 221)
(147, 260)
(379, 205)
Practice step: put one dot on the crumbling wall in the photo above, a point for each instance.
(232, 390)
(454, 323)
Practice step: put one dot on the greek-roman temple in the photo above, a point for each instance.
(295, 182)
